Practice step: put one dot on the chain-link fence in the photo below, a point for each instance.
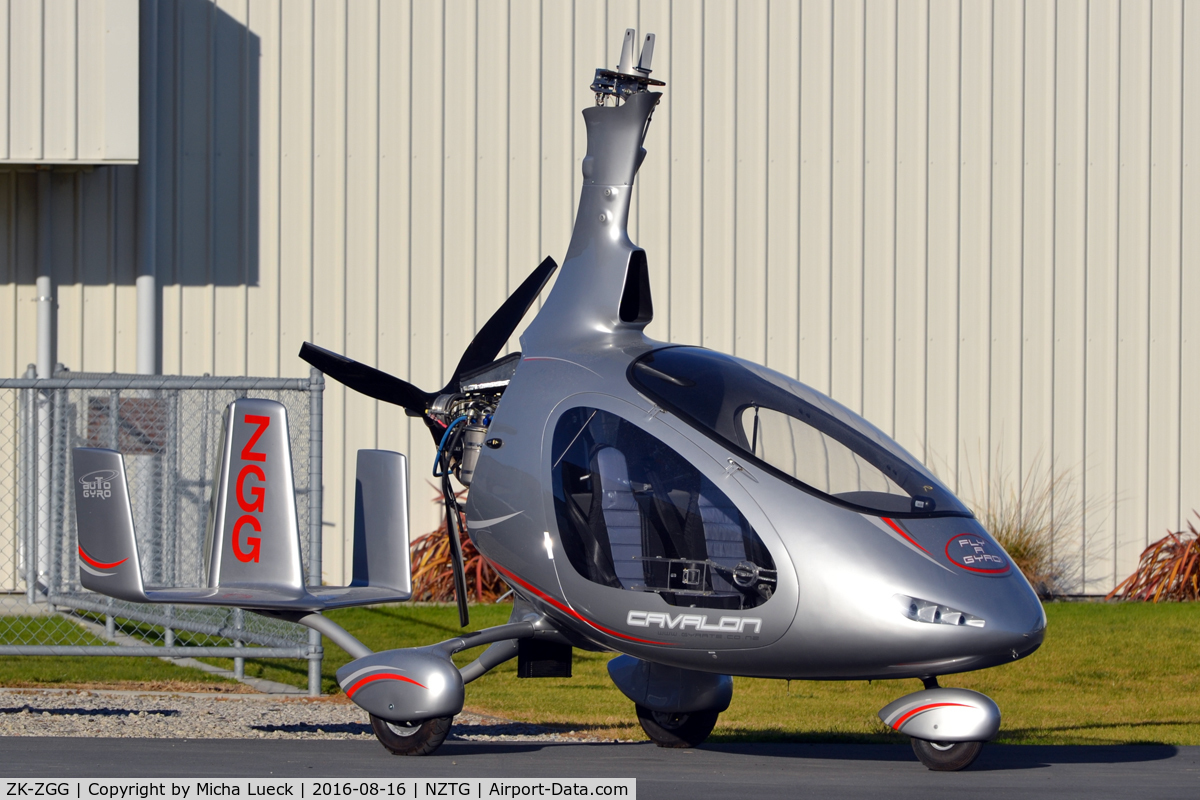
(168, 428)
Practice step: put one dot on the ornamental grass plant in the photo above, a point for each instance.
(1168, 570)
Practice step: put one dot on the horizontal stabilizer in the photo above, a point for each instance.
(253, 540)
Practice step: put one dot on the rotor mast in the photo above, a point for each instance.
(603, 285)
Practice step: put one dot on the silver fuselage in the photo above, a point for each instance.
(834, 610)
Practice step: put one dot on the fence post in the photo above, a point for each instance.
(239, 663)
(29, 510)
(316, 390)
(59, 482)
(114, 425)
(44, 399)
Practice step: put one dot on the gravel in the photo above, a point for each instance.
(153, 715)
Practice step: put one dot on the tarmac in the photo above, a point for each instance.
(755, 771)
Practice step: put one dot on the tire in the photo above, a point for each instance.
(411, 739)
(669, 729)
(946, 756)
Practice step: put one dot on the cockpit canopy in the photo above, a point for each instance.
(634, 514)
(792, 431)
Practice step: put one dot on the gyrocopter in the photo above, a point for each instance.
(697, 514)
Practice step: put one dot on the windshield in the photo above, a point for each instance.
(793, 431)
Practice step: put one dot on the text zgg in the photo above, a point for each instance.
(258, 494)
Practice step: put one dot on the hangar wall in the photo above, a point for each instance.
(965, 220)
(68, 81)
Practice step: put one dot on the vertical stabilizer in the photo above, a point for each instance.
(253, 535)
(108, 555)
(381, 555)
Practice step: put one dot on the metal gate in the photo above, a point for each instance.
(168, 429)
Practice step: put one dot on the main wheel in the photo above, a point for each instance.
(672, 729)
(946, 756)
(411, 738)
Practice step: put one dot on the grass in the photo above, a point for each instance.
(1108, 674)
(110, 672)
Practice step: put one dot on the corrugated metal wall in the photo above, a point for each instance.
(68, 81)
(965, 220)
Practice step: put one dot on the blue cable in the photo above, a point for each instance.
(445, 437)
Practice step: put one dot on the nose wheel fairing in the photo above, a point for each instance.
(948, 727)
(944, 715)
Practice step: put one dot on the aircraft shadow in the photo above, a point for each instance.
(308, 727)
(993, 757)
(86, 712)
(1037, 756)
(457, 733)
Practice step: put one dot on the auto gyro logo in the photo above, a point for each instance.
(976, 554)
(258, 493)
(699, 622)
(98, 485)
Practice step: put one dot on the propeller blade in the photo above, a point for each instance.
(367, 380)
(492, 337)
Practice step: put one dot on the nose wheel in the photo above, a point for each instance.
(946, 756)
(418, 738)
(676, 729)
(930, 717)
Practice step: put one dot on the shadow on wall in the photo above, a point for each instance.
(207, 159)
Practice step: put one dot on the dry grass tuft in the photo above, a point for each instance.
(1169, 570)
(1033, 518)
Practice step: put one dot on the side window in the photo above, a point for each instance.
(634, 514)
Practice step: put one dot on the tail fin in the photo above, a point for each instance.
(253, 532)
(108, 554)
(381, 556)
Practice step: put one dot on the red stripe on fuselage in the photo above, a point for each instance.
(572, 612)
(383, 676)
(900, 531)
(98, 564)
